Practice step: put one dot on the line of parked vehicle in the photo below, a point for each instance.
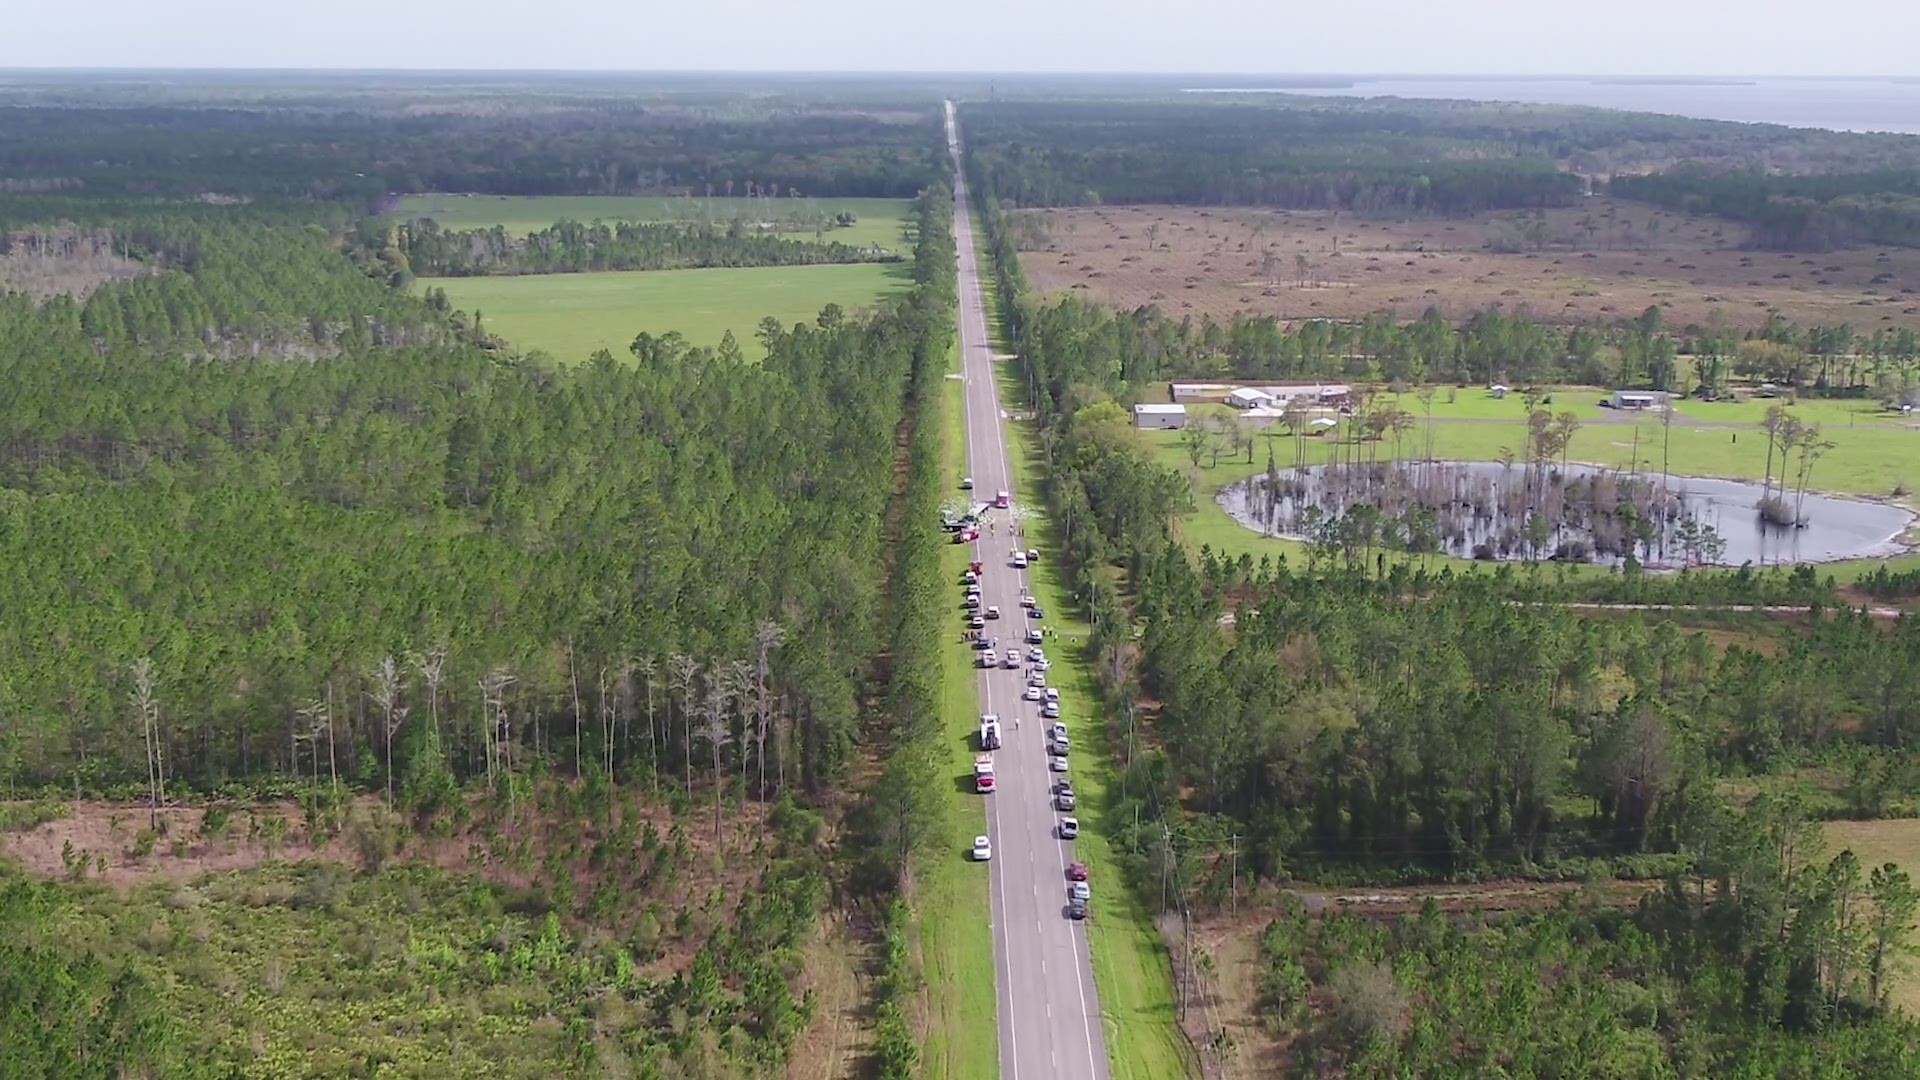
(1058, 742)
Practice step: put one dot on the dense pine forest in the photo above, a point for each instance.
(1801, 190)
(302, 561)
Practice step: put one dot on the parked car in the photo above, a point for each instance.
(1012, 661)
(1077, 871)
(1037, 655)
(982, 850)
(1033, 555)
(1035, 613)
(1077, 909)
(975, 622)
(1034, 636)
(1069, 828)
(973, 600)
(1036, 680)
(1058, 746)
(980, 642)
(1058, 763)
(1063, 800)
(1032, 693)
(1057, 731)
(1080, 891)
(1042, 664)
(966, 484)
(973, 588)
(992, 612)
(1026, 600)
(1052, 695)
(1019, 560)
(989, 658)
(1050, 711)
(1002, 500)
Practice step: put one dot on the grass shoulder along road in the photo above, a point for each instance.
(1131, 968)
(569, 316)
(960, 1002)
(878, 222)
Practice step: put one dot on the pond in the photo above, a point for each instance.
(1575, 513)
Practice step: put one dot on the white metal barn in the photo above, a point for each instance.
(1247, 397)
(1161, 417)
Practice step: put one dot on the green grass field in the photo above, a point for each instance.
(881, 222)
(956, 942)
(568, 316)
(1131, 968)
(1871, 455)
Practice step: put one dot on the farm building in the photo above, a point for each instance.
(1328, 394)
(1199, 391)
(1162, 417)
(1640, 399)
(1247, 397)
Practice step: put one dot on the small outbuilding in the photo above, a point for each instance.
(1248, 397)
(1498, 391)
(1640, 399)
(1160, 417)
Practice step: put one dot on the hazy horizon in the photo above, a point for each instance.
(1462, 38)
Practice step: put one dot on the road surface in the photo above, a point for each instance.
(1049, 1012)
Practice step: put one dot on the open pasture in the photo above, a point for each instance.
(1604, 259)
(569, 316)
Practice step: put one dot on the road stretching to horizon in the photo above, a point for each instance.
(1049, 1012)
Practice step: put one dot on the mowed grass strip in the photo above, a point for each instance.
(1131, 969)
(570, 316)
(956, 937)
(878, 222)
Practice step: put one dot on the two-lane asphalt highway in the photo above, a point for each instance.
(1049, 1011)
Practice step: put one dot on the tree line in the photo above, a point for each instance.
(1788, 212)
(1035, 153)
(569, 247)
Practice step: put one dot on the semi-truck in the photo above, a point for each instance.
(989, 731)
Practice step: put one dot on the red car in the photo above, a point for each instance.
(1077, 872)
(983, 784)
(977, 566)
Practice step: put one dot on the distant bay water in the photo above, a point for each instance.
(1857, 104)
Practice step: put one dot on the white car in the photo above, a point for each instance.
(966, 484)
(1026, 600)
(982, 850)
(992, 612)
(989, 658)
(1052, 694)
(1080, 891)
(1057, 763)
(973, 588)
(1050, 711)
(1036, 679)
(1069, 828)
(1019, 560)
(1058, 746)
(1037, 655)
(975, 622)
(1040, 663)
(1012, 662)
(1032, 693)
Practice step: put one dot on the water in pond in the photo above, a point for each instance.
(1487, 510)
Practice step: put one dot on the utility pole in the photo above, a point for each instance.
(1186, 962)
(1233, 874)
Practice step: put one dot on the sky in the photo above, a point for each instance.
(1602, 37)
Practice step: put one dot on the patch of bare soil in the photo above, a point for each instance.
(836, 1043)
(1601, 260)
